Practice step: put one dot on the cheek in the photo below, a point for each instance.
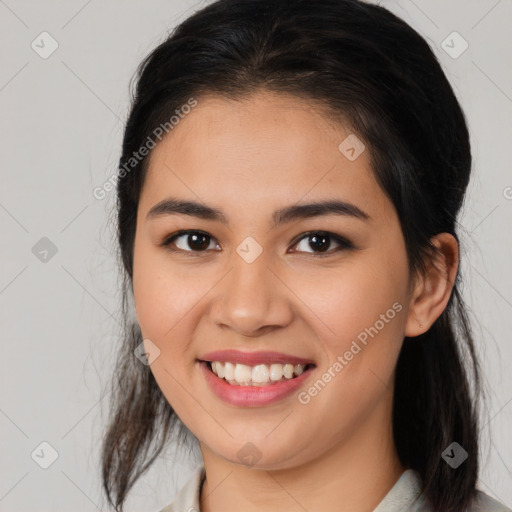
(354, 297)
(170, 303)
(165, 303)
(161, 297)
(359, 320)
(162, 305)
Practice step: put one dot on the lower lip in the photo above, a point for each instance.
(252, 396)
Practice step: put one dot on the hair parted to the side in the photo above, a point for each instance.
(372, 72)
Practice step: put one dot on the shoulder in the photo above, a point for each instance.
(407, 495)
(403, 493)
(484, 503)
(187, 498)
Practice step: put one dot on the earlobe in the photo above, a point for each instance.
(433, 290)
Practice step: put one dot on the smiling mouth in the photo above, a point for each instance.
(258, 375)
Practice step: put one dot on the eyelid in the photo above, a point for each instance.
(344, 243)
(168, 240)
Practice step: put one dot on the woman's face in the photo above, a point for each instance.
(259, 282)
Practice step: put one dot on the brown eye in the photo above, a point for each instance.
(320, 242)
(189, 241)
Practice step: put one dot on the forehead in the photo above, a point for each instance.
(266, 149)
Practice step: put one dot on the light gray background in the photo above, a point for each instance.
(61, 128)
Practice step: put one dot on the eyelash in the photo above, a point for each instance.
(344, 244)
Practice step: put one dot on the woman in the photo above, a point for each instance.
(288, 192)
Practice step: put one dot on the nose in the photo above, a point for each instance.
(252, 299)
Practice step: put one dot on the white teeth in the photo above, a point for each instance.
(242, 373)
(261, 374)
(288, 371)
(276, 372)
(229, 370)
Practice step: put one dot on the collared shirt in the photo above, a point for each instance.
(404, 496)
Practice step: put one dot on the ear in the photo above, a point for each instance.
(432, 291)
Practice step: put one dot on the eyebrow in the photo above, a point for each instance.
(173, 206)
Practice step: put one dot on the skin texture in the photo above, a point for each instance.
(249, 158)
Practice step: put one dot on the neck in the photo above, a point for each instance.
(354, 474)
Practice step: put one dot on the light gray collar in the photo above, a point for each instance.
(400, 498)
(403, 495)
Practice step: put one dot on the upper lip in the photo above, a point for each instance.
(253, 358)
